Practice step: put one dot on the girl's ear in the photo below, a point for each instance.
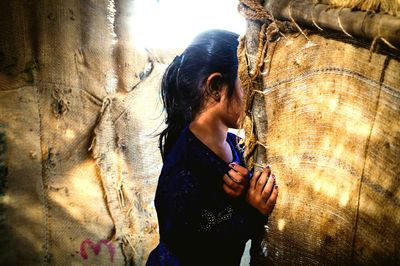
(214, 86)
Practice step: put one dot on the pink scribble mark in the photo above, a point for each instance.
(96, 248)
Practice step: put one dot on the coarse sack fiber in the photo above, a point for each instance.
(325, 113)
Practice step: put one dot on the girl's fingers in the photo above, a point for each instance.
(232, 184)
(254, 179)
(238, 168)
(256, 183)
(261, 183)
(230, 192)
(272, 199)
(266, 192)
(237, 177)
(268, 170)
(263, 179)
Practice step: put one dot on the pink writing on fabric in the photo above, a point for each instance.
(96, 248)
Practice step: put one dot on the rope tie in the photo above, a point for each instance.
(262, 144)
(383, 39)
(340, 24)
(262, 166)
(313, 18)
(251, 66)
(295, 23)
(253, 10)
(376, 39)
(262, 47)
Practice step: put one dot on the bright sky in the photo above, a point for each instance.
(174, 23)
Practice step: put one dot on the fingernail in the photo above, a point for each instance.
(232, 165)
(269, 166)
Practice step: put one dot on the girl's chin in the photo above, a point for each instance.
(235, 125)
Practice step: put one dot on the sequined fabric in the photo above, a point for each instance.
(199, 224)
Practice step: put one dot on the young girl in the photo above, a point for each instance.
(207, 203)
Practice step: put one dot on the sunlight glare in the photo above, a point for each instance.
(174, 23)
(281, 224)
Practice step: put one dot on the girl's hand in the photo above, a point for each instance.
(263, 192)
(236, 181)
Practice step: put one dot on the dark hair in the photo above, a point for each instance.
(182, 87)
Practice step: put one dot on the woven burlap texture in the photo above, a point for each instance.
(69, 74)
(326, 116)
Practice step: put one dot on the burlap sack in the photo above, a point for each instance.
(79, 104)
(324, 111)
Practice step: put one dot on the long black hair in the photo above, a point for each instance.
(182, 88)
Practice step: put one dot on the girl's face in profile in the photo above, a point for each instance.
(234, 106)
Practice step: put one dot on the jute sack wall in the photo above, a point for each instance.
(78, 105)
(324, 110)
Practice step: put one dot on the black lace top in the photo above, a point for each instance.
(199, 224)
